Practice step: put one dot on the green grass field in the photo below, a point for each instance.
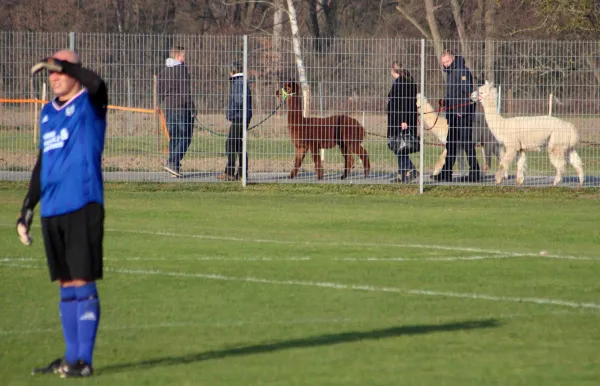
(322, 285)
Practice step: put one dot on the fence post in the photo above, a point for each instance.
(72, 41)
(33, 109)
(422, 118)
(245, 115)
(37, 122)
(157, 121)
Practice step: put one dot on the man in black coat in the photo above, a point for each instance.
(174, 91)
(459, 113)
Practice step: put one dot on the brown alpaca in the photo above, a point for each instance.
(313, 133)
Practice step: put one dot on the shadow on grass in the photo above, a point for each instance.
(312, 341)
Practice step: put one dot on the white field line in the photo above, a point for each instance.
(360, 287)
(280, 259)
(337, 244)
(341, 286)
(350, 244)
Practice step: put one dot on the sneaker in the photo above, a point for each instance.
(173, 170)
(78, 370)
(57, 366)
(411, 176)
(397, 180)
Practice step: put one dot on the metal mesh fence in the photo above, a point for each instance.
(344, 77)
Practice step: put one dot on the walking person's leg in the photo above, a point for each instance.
(230, 147)
(470, 151)
(179, 137)
(238, 139)
(241, 154)
(187, 128)
(172, 165)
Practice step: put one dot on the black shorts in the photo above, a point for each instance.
(73, 244)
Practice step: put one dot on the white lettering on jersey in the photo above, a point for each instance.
(45, 119)
(53, 141)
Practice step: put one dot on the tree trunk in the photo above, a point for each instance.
(117, 6)
(249, 13)
(277, 31)
(298, 55)
(490, 31)
(433, 27)
(462, 34)
(314, 23)
(331, 18)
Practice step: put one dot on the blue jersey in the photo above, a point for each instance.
(71, 141)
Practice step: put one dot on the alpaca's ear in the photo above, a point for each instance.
(487, 83)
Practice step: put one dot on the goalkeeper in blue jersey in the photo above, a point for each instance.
(67, 181)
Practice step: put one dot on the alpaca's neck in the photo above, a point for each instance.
(493, 118)
(430, 114)
(294, 108)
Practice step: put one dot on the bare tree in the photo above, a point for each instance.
(491, 10)
(277, 32)
(313, 15)
(298, 56)
(433, 31)
(117, 7)
(462, 34)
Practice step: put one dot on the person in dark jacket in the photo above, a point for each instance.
(402, 115)
(235, 114)
(174, 91)
(459, 113)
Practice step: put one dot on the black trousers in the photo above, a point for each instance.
(460, 131)
(233, 148)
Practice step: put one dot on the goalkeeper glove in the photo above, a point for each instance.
(50, 64)
(24, 224)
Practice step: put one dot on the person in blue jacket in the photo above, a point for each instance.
(235, 111)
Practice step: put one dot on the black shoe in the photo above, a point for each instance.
(441, 177)
(78, 370)
(57, 366)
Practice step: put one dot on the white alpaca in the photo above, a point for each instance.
(438, 125)
(439, 128)
(521, 134)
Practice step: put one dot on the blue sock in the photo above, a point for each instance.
(88, 316)
(68, 318)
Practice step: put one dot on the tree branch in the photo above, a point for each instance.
(414, 22)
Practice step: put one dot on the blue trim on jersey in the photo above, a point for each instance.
(71, 141)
